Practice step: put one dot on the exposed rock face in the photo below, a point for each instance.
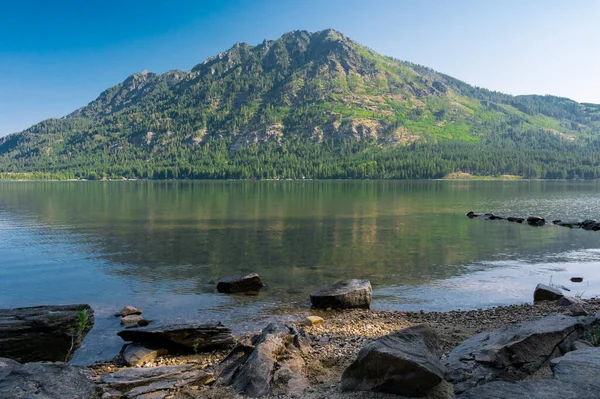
(514, 352)
(41, 333)
(575, 377)
(46, 381)
(183, 338)
(236, 284)
(270, 364)
(546, 293)
(343, 295)
(406, 362)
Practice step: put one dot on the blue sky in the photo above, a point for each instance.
(58, 55)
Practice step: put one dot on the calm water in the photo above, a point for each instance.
(162, 246)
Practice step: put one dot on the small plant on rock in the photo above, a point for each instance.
(76, 332)
(195, 346)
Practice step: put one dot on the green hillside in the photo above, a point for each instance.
(308, 105)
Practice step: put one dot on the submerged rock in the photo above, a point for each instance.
(47, 381)
(237, 284)
(406, 362)
(546, 293)
(344, 295)
(42, 333)
(182, 338)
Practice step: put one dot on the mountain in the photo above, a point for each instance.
(308, 105)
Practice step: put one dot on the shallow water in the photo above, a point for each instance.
(162, 246)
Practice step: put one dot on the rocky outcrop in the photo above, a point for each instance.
(155, 382)
(406, 362)
(514, 352)
(42, 333)
(575, 376)
(546, 293)
(271, 363)
(344, 295)
(238, 284)
(46, 381)
(182, 338)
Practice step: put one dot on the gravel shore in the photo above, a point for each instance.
(336, 342)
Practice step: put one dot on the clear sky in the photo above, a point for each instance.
(58, 55)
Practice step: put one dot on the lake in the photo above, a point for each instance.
(162, 246)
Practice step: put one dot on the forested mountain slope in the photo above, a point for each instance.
(309, 105)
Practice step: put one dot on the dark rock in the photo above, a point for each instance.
(126, 379)
(514, 219)
(271, 364)
(532, 389)
(42, 333)
(590, 225)
(128, 311)
(573, 225)
(568, 301)
(514, 352)
(472, 215)
(546, 293)
(47, 381)
(406, 362)
(343, 295)
(182, 338)
(235, 284)
(536, 221)
(576, 279)
(137, 355)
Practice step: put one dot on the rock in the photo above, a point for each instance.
(576, 279)
(343, 295)
(532, 389)
(581, 366)
(47, 381)
(472, 215)
(514, 352)
(7, 365)
(406, 362)
(580, 344)
(313, 320)
(590, 225)
(126, 379)
(546, 293)
(271, 364)
(131, 320)
(235, 284)
(42, 333)
(577, 309)
(572, 225)
(128, 311)
(137, 355)
(182, 338)
(568, 301)
(536, 221)
(514, 219)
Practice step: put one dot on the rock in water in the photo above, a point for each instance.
(131, 320)
(536, 221)
(183, 338)
(41, 333)
(514, 352)
(546, 293)
(47, 381)
(236, 284)
(406, 362)
(343, 295)
(128, 311)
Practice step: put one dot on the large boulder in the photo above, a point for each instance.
(580, 366)
(237, 284)
(43, 333)
(343, 295)
(270, 364)
(546, 293)
(514, 352)
(47, 381)
(406, 362)
(182, 338)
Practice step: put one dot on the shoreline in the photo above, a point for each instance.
(336, 342)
